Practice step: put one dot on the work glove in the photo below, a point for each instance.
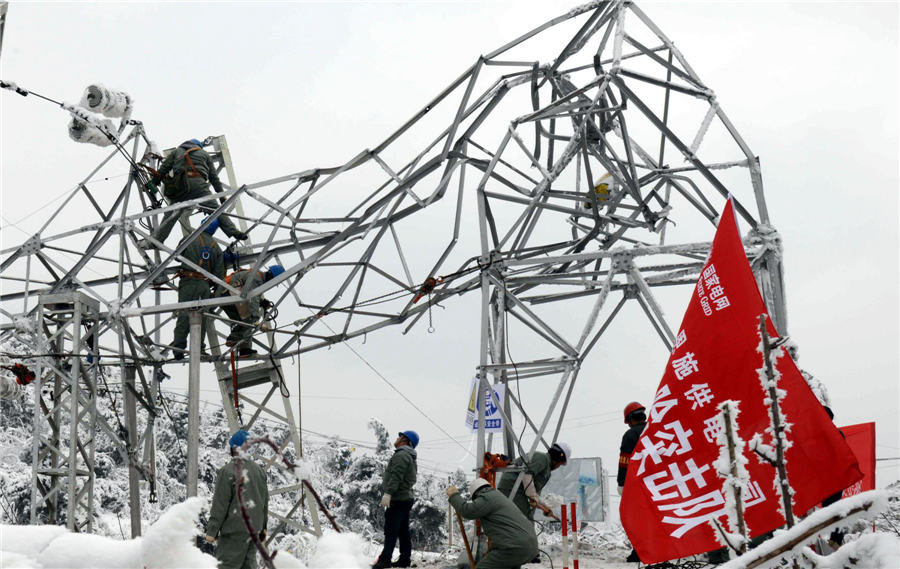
(262, 535)
(240, 235)
(451, 490)
(620, 489)
(385, 500)
(210, 539)
(266, 303)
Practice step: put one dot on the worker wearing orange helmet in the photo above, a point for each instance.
(636, 419)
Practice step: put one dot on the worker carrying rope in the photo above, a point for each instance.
(192, 171)
(248, 314)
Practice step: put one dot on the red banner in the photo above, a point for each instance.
(861, 439)
(672, 491)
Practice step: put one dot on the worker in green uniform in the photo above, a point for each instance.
(204, 252)
(226, 527)
(511, 534)
(248, 313)
(535, 474)
(397, 487)
(192, 173)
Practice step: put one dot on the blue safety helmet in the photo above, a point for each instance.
(276, 270)
(196, 142)
(211, 228)
(238, 439)
(411, 436)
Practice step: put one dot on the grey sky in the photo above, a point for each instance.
(812, 87)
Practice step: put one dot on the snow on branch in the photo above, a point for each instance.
(793, 542)
(779, 427)
(731, 468)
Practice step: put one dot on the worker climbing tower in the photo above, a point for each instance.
(592, 171)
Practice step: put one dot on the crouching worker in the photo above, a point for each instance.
(247, 313)
(226, 527)
(511, 534)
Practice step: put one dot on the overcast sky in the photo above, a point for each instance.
(812, 87)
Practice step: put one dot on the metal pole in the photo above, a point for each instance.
(134, 490)
(193, 465)
(74, 390)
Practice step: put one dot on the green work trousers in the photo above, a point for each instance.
(236, 551)
(239, 332)
(506, 558)
(188, 290)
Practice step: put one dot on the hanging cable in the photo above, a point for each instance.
(400, 393)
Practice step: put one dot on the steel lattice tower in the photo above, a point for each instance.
(583, 166)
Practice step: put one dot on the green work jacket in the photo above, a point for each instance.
(400, 474)
(205, 252)
(225, 519)
(501, 520)
(203, 164)
(245, 280)
(538, 466)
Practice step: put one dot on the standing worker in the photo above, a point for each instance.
(397, 486)
(247, 313)
(192, 173)
(511, 534)
(204, 252)
(226, 527)
(536, 474)
(636, 419)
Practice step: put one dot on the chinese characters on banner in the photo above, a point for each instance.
(493, 420)
(672, 490)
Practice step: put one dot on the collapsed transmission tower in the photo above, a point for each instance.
(583, 169)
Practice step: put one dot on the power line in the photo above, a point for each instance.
(392, 386)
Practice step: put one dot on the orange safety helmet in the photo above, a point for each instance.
(631, 408)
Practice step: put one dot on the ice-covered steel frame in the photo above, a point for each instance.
(584, 151)
(65, 403)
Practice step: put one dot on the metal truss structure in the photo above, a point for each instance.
(587, 153)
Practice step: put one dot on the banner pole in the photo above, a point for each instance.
(565, 536)
(573, 508)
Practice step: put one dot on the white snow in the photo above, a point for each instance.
(340, 551)
(168, 544)
(872, 551)
(842, 509)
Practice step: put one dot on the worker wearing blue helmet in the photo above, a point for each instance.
(247, 314)
(397, 485)
(202, 252)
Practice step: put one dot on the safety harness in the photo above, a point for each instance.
(192, 171)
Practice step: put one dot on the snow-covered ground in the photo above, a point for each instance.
(169, 544)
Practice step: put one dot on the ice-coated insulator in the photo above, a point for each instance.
(109, 102)
(81, 131)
